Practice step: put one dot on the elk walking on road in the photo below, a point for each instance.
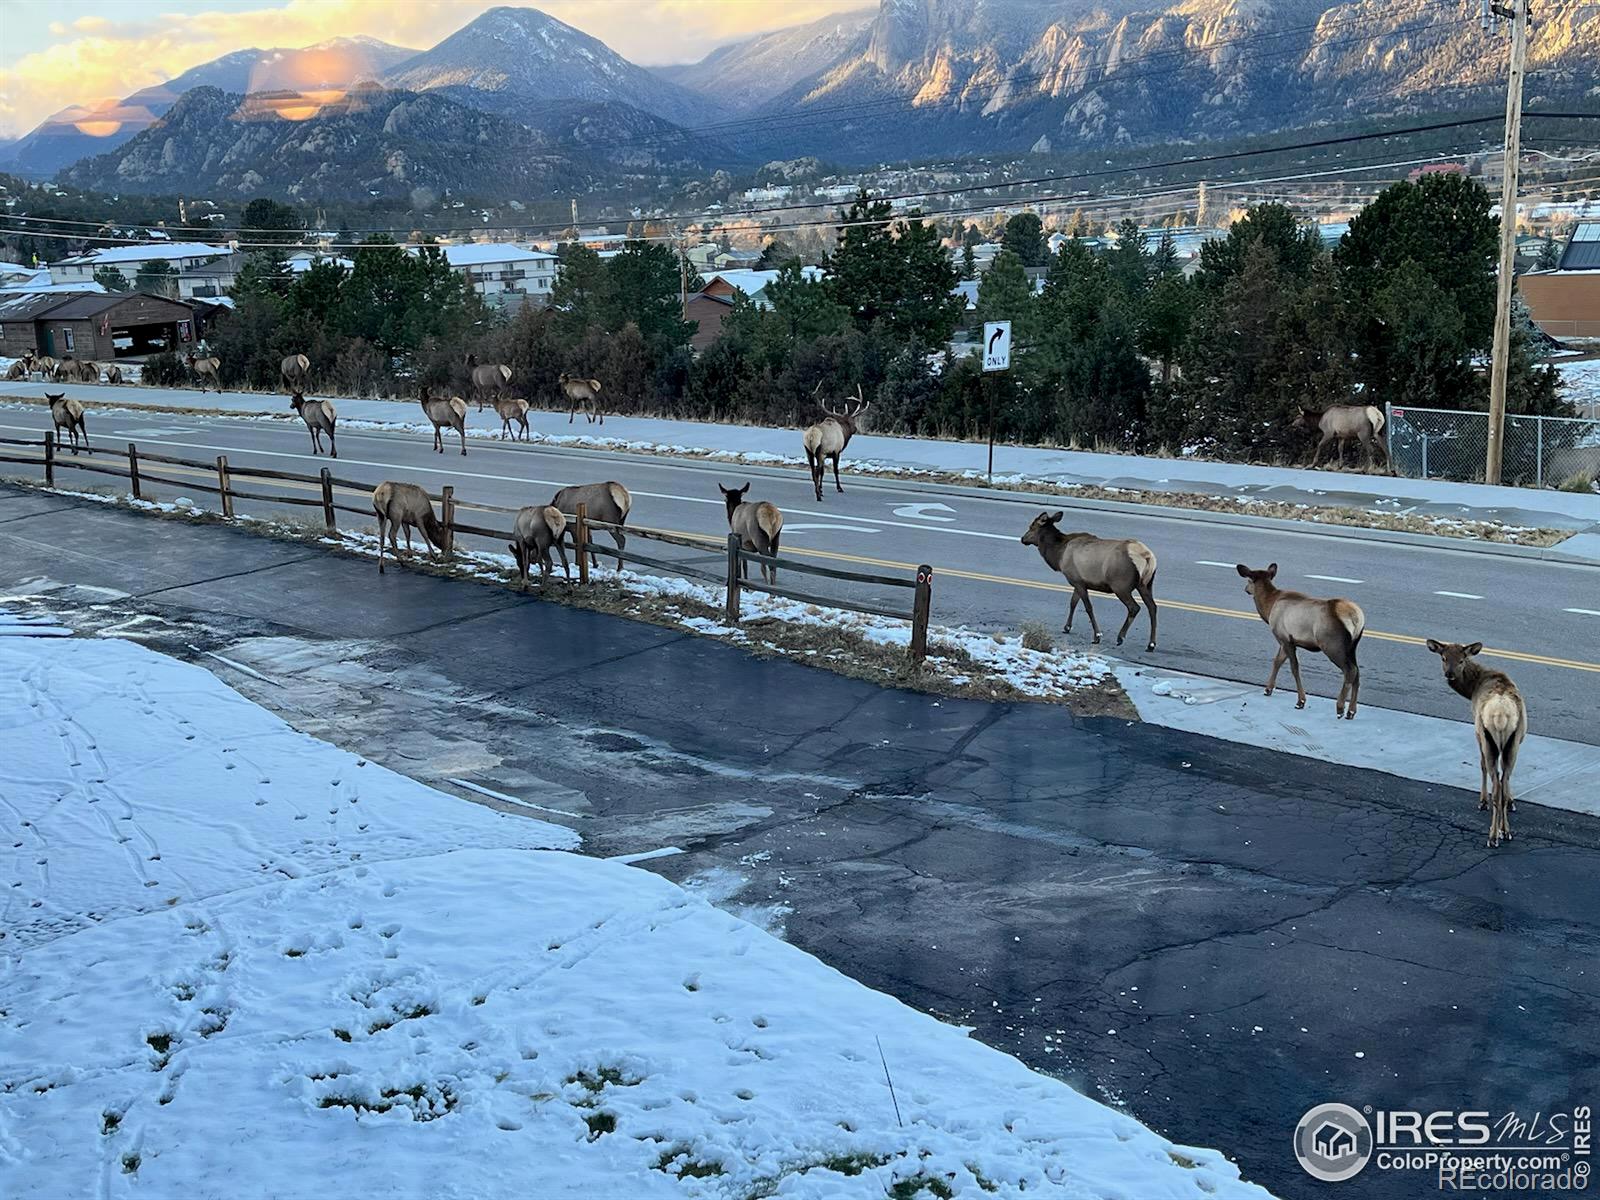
(512, 408)
(609, 502)
(1121, 566)
(489, 380)
(582, 394)
(1302, 622)
(827, 439)
(406, 506)
(1500, 720)
(67, 413)
(1343, 423)
(296, 372)
(538, 527)
(205, 370)
(319, 416)
(445, 414)
(758, 525)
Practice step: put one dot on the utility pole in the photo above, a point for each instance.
(1517, 14)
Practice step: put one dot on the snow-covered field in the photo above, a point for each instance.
(236, 961)
(1582, 381)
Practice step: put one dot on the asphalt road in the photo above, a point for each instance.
(1541, 620)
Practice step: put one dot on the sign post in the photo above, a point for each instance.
(996, 357)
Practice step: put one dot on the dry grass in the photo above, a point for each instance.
(1036, 635)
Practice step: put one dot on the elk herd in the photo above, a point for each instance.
(66, 370)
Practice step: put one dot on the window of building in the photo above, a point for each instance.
(66, 338)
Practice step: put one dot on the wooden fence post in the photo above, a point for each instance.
(920, 607)
(447, 504)
(49, 461)
(222, 485)
(580, 541)
(327, 499)
(733, 579)
(133, 470)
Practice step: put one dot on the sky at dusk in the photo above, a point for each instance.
(54, 53)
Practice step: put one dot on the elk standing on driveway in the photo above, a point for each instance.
(1499, 718)
(67, 413)
(17, 370)
(113, 374)
(445, 414)
(512, 408)
(539, 527)
(1302, 622)
(1343, 423)
(489, 380)
(1120, 566)
(582, 393)
(45, 365)
(609, 502)
(758, 525)
(828, 438)
(205, 370)
(319, 417)
(405, 505)
(296, 372)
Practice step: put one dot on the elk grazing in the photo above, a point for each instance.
(66, 413)
(512, 408)
(88, 372)
(17, 370)
(406, 506)
(1302, 622)
(113, 374)
(46, 366)
(445, 414)
(537, 528)
(582, 394)
(1120, 566)
(1343, 423)
(758, 526)
(489, 380)
(205, 370)
(296, 372)
(608, 502)
(66, 371)
(828, 438)
(319, 417)
(1499, 718)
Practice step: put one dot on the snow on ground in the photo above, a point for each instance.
(1582, 381)
(239, 961)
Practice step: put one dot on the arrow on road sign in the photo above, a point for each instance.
(923, 512)
(997, 345)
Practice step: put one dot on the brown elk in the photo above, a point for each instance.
(113, 374)
(828, 438)
(88, 371)
(320, 417)
(512, 408)
(489, 380)
(67, 413)
(1500, 720)
(1343, 423)
(17, 370)
(46, 366)
(66, 371)
(406, 506)
(205, 370)
(445, 414)
(296, 372)
(536, 530)
(609, 502)
(758, 525)
(584, 394)
(1121, 566)
(1302, 622)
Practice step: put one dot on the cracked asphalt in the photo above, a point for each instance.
(1215, 936)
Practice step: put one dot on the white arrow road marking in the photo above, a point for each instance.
(1335, 578)
(1206, 562)
(830, 528)
(923, 512)
(1587, 612)
(1459, 595)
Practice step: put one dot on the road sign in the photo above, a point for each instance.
(997, 345)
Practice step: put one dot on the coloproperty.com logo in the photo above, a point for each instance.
(1456, 1150)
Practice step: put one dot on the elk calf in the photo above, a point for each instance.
(445, 414)
(609, 502)
(1121, 566)
(828, 438)
(319, 417)
(512, 408)
(582, 393)
(1301, 622)
(1500, 720)
(67, 413)
(758, 525)
(537, 529)
(406, 506)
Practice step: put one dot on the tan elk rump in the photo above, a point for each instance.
(17, 370)
(320, 417)
(758, 525)
(406, 506)
(67, 413)
(582, 394)
(205, 370)
(609, 502)
(826, 440)
(538, 527)
(1302, 622)
(296, 372)
(512, 408)
(489, 380)
(445, 414)
(113, 374)
(1345, 423)
(46, 366)
(1500, 721)
(1121, 566)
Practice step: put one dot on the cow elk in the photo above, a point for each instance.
(17, 370)
(827, 439)
(296, 372)
(758, 525)
(114, 374)
(67, 413)
(1344, 423)
(538, 528)
(46, 366)
(445, 414)
(512, 408)
(1121, 566)
(1500, 720)
(406, 506)
(608, 502)
(489, 380)
(88, 372)
(582, 394)
(206, 371)
(319, 416)
(1302, 622)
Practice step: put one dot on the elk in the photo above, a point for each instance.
(296, 372)
(582, 393)
(319, 417)
(1120, 566)
(66, 413)
(445, 414)
(608, 502)
(828, 438)
(1499, 718)
(205, 370)
(489, 380)
(758, 525)
(1342, 423)
(1302, 622)
(46, 366)
(113, 374)
(512, 408)
(88, 372)
(406, 506)
(66, 371)
(537, 528)
(17, 370)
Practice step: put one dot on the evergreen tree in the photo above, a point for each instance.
(1128, 262)
(899, 277)
(643, 290)
(112, 279)
(1549, 254)
(969, 263)
(1005, 294)
(1024, 237)
(158, 278)
(1295, 247)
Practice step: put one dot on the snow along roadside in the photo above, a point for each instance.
(225, 926)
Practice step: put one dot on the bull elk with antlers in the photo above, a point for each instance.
(827, 439)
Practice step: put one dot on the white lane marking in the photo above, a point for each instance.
(923, 512)
(492, 794)
(1335, 578)
(1587, 612)
(1459, 595)
(833, 528)
(645, 855)
(1206, 562)
(238, 666)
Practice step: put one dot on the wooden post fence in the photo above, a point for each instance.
(49, 461)
(222, 485)
(327, 499)
(733, 579)
(447, 506)
(921, 605)
(133, 470)
(580, 541)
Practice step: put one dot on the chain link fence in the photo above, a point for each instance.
(1443, 443)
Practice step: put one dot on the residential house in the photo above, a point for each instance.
(219, 276)
(1565, 301)
(504, 273)
(181, 256)
(712, 303)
